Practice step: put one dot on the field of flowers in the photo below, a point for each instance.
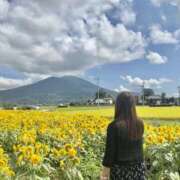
(63, 145)
(146, 112)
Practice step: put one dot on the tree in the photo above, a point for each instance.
(172, 100)
(7, 105)
(163, 97)
(148, 92)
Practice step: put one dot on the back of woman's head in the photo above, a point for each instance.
(125, 110)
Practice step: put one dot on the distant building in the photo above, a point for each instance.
(157, 100)
(108, 101)
(104, 101)
(62, 105)
(154, 100)
(30, 107)
(90, 102)
(35, 107)
(99, 101)
(15, 108)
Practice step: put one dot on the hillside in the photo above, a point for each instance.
(52, 90)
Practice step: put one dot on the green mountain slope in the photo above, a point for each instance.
(52, 90)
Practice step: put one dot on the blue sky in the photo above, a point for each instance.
(124, 42)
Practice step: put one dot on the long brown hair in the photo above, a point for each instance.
(125, 110)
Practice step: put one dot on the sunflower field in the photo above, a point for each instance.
(69, 146)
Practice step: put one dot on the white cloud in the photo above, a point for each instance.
(171, 2)
(121, 88)
(175, 95)
(156, 58)
(164, 18)
(4, 6)
(159, 36)
(56, 37)
(177, 34)
(149, 83)
(9, 83)
(125, 13)
(128, 17)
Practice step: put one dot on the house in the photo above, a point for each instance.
(104, 101)
(90, 102)
(157, 100)
(30, 107)
(99, 101)
(153, 100)
(15, 108)
(62, 105)
(108, 101)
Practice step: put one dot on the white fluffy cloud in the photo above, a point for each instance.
(124, 11)
(9, 83)
(128, 17)
(171, 2)
(156, 58)
(164, 18)
(55, 37)
(4, 6)
(177, 34)
(159, 36)
(121, 88)
(149, 83)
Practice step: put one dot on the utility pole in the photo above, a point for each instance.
(98, 57)
(98, 89)
(143, 87)
(179, 95)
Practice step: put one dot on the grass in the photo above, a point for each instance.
(152, 115)
(158, 122)
(85, 108)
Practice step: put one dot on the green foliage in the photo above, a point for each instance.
(148, 92)
(163, 161)
(8, 106)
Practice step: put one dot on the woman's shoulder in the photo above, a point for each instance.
(140, 125)
(112, 126)
(140, 122)
(122, 124)
(117, 124)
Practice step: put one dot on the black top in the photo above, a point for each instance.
(120, 149)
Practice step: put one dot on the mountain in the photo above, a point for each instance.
(52, 90)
